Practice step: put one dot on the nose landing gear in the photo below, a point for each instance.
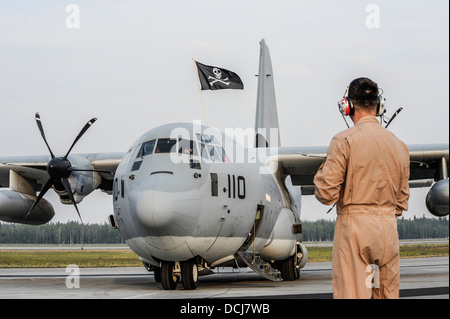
(171, 272)
(189, 274)
(169, 275)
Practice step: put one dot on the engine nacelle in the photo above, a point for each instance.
(438, 197)
(14, 207)
(281, 243)
(82, 183)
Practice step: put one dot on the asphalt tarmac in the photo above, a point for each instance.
(421, 278)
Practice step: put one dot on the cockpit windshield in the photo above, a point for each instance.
(146, 148)
(187, 147)
(208, 139)
(165, 145)
(205, 147)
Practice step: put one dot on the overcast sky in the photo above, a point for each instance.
(129, 63)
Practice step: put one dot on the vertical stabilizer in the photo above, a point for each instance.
(266, 124)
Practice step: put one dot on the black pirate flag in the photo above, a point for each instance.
(214, 78)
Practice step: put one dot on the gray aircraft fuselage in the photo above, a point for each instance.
(176, 201)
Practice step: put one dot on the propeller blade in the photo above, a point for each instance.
(83, 130)
(41, 129)
(68, 189)
(41, 194)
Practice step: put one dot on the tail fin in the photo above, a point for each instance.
(266, 124)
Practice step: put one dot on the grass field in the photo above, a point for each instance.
(54, 258)
(318, 254)
(61, 258)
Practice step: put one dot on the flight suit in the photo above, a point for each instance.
(366, 172)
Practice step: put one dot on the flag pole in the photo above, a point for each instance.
(200, 91)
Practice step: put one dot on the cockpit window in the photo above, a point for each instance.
(207, 147)
(146, 148)
(187, 147)
(165, 145)
(222, 155)
(204, 151)
(208, 139)
(213, 154)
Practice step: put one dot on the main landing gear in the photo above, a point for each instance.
(171, 272)
(290, 267)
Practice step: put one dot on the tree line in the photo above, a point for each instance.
(71, 233)
(74, 233)
(416, 228)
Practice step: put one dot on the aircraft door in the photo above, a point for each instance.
(219, 191)
(256, 225)
(217, 211)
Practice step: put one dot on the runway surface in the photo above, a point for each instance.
(420, 278)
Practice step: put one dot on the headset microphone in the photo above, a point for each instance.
(346, 108)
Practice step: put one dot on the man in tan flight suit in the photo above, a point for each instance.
(366, 172)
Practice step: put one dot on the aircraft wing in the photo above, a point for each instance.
(302, 163)
(72, 177)
(33, 168)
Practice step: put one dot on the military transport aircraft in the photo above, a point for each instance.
(185, 203)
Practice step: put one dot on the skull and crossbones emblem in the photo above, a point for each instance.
(218, 77)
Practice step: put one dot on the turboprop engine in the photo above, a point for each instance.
(14, 208)
(82, 182)
(72, 178)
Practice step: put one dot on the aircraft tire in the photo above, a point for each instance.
(168, 278)
(157, 274)
(288, 269)
(189, 274)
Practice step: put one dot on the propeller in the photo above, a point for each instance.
(60, 168)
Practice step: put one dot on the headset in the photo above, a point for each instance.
(346, 106)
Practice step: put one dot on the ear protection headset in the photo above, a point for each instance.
(346, 106)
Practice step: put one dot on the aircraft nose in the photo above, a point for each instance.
(168, 206)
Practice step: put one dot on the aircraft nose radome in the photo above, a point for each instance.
(168, 206)
(154, 209)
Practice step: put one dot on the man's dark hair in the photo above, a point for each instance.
(364, 93)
